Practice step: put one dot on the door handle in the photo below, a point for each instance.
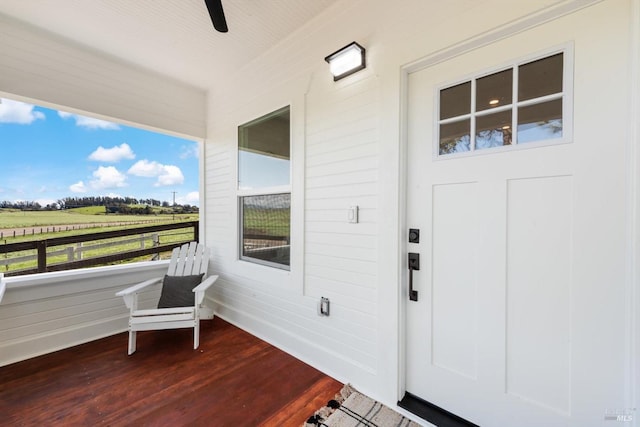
(414, 264)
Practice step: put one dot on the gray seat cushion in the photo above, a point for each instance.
(177, 291)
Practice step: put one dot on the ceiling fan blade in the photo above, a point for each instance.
(217, 15)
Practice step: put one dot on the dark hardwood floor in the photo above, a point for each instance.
(233, 379)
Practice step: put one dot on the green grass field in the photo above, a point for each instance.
(89, 210)
(272, 222)
(10, 218)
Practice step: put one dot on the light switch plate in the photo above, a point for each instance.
(352, 214)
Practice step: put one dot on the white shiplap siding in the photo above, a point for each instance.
(295, 320)
(220, 203)
(342, 171)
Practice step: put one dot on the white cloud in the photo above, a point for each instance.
(88, 122)
(146, 169)
(167, 174)
(112, 155)
(78, 187)
(192, 198)
(45, 202)
(189, 151)
(171, 175)
(108, 177)
(18, 112)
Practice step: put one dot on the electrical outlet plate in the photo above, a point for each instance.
(323, 307)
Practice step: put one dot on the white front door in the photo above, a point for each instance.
(519, 317)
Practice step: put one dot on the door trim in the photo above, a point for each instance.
(632, 288)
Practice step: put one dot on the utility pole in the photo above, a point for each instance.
(174, 205)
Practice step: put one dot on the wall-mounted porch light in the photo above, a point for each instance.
(346, 61)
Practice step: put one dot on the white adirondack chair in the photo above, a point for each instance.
(3, 286)
(188, 260)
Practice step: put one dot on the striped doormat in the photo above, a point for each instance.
(351, 408)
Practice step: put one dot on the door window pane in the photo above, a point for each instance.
(540, 78)
(263, 152)
(494, 90)
(493, 130)
(266, 228)
(455, 137)
(455, 101)
(540, 121)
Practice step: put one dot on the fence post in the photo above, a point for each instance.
(156, 242)
(42, 256)
(79, 250)
(142, 241)
(70, 253)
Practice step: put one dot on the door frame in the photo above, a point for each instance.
(632, 214)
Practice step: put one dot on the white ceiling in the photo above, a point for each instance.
(173, 37)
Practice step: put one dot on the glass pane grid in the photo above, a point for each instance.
(494, 119)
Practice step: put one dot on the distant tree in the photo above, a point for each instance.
(113, 205)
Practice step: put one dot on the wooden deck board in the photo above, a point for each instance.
(233, 379)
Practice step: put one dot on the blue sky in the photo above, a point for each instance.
(47, 155)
